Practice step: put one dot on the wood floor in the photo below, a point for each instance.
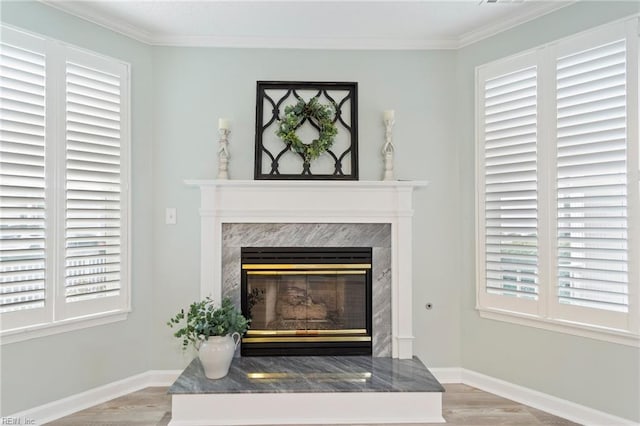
(462, 405)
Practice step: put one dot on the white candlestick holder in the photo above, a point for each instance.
(388, 150)
(223, 154)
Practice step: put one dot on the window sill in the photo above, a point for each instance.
(607, 335)
(49, 329)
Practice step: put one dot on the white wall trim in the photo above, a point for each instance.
(158, 378)
(574, 329)
(447, 374)
(48, 329)
(80, 10)
(326, 43)
(80, 401)
(542, 401)
(551, 404)
(543, 8)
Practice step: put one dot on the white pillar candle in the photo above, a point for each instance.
(223, 123)
(389, 115)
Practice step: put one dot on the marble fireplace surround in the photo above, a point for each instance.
(378, 214)
(374, 235)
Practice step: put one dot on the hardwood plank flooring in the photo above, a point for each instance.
(462, 405)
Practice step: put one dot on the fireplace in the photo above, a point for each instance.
(307, 300)
(237, 214)
(249, 213)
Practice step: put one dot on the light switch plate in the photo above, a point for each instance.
(170, 216)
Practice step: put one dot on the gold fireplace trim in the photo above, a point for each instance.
(323, 272)
(313, 376)
(304, 332)
(306, 339)
(285, 266)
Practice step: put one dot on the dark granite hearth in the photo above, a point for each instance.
(311, 374)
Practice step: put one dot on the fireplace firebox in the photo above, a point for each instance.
(306, 301)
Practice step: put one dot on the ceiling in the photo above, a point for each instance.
(345, 24)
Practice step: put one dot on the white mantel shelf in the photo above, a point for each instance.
(284, 201)
(277, 201)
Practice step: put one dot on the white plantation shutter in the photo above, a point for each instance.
(23, 239)
(92, 231)
(592, 228)
(558, 192)
(510, 183)
(64, 188)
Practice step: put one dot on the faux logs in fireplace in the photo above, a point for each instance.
(306, 300)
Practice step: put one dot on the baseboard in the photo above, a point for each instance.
(162, 377)
(551, 404)
(74, 403)
(447, 374)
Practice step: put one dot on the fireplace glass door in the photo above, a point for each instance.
(306, 306)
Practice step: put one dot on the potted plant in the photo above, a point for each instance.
(214, 332)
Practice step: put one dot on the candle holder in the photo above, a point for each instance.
(388, 150)
(223, 154)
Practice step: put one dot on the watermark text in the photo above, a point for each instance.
(17, 421)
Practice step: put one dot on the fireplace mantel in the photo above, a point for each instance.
(251, 201)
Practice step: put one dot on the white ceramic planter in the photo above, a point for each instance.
(216, 354)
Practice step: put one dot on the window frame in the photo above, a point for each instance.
(55, 317)
(547, 313)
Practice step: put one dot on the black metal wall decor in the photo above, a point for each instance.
(276, 159)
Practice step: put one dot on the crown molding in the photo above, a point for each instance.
(81, 10)
(333, 43)
(539, 10)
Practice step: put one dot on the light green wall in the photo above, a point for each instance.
(195, 86)
(597, 374)
(42, 370)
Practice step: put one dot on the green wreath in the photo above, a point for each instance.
(296, 114)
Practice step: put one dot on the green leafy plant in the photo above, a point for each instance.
(204, 319)
(294, 116)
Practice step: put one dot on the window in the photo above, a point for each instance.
(557, 185)
(64, 188)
